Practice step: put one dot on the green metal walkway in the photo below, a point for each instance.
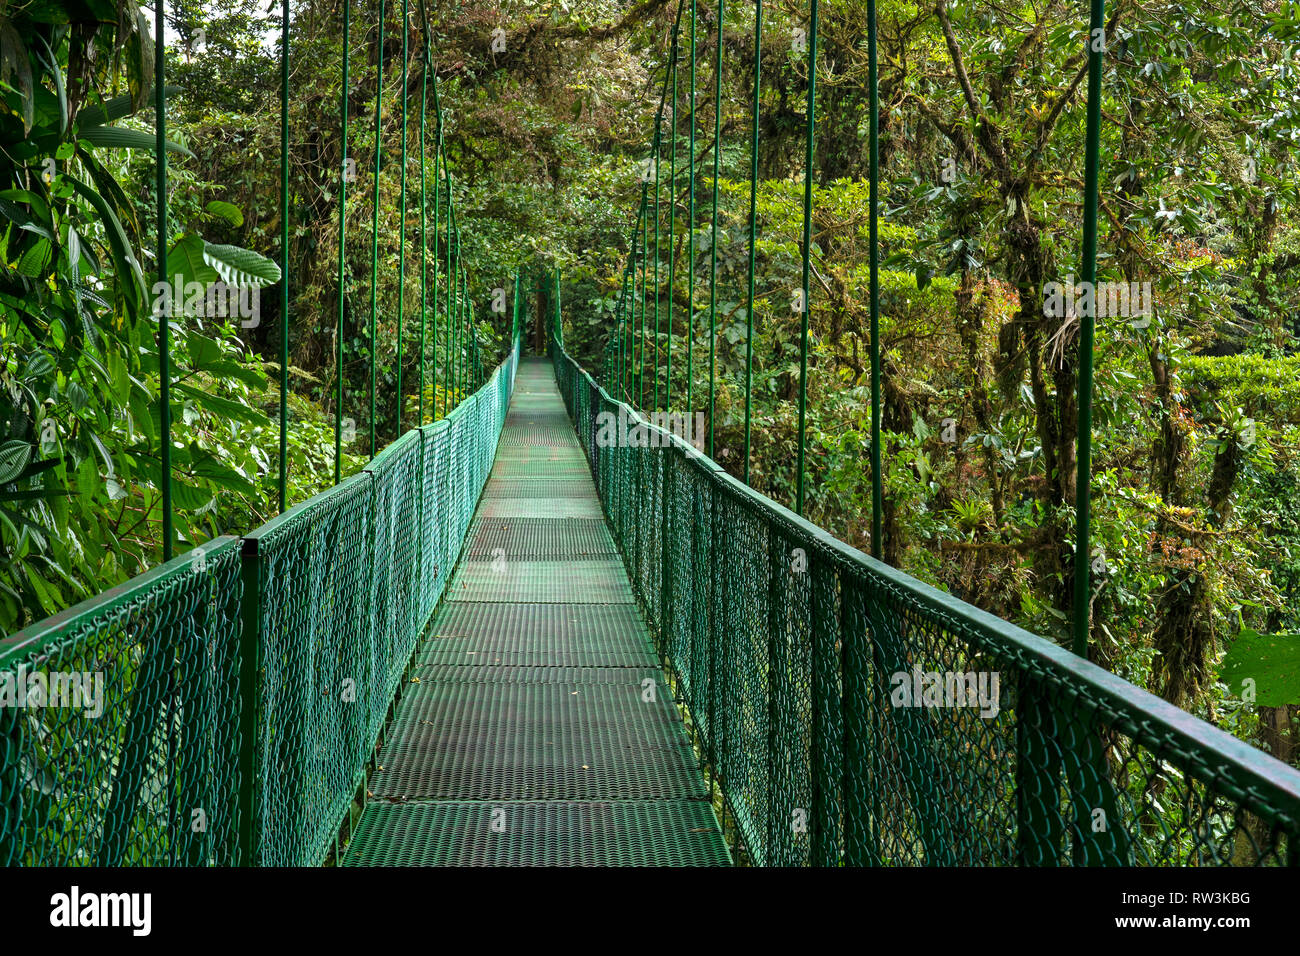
(536, 727)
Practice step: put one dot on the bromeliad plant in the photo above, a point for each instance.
(79, 313)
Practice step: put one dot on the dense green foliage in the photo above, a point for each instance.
(547, 113)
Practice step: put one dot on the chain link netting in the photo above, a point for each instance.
(348, 581)
(117, 745)
(854, 715)
(221, 708)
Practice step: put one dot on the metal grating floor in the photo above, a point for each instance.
(536, 635)
(542, 582)
(535, 728)
(539, 488)
(565, 468)
(491, 507)
(493, 538)
(555, 833)
(468, 740)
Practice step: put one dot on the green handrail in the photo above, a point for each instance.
(799, 718)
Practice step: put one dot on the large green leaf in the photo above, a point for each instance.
(223, 407)
(186, 259)
(36, 260)
(14, 455)
(188, 497)
(1272, 661)
(119, 137)
(130, 278)
(241, 267)
(110, 111)
(227, 211)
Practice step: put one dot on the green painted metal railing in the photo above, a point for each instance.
(791, 651)
(240, 689)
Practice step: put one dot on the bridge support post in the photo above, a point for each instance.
(1038, 777)
(860, 748)
(777, 572)
(11, 786)
(826, 762)
(250, 667)
(1099, 836)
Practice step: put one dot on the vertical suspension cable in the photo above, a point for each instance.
(622, 312)
(471, 337)
(282, 481)
(463, 353)
(164, 320)
(424, 198)
(458, 359)
(645, 274)
(437, 234)
(713, 241)
(655, 399)
(690, 240)
(672, 222)
(401, 241)
(374, 244)
(343, 198)
(753, 231)
(1083, 477)
(807, 255)
(451, 281)
(658, 157)
(877, 478)
(455, 317)
(636, 273)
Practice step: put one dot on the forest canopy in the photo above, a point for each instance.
(547, 117)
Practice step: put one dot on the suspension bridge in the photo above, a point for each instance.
(512, 640)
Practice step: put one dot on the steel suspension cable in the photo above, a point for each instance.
(164, 320)
(690, 240)
(622, 306)
(451, 282)
(437, 234)
(1083, 476)
(343, 198)
(658, 157)
(636, 295)
(753, 232)
(453, 304)
(807, 256)
(672, 220)
(401, 241)
(282, 481)
(424, 197)
(877, 478)
(374, 244)
(456, 362)
(713, 240)
(645, 274)
(655, 399)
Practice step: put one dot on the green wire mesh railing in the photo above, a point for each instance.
(799, 660)
(115, 722)
(221, 708)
